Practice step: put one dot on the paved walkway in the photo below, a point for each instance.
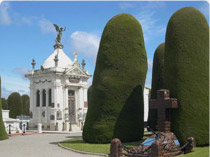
(40, 145)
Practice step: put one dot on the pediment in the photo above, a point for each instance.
(76, 71)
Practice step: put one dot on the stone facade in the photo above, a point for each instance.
(146, 103)
(58, 93)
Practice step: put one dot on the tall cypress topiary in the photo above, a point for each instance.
(157, 81)
(26, 104)
(117, 108)
(26, 108)
(15, 105)
(186, 64)
(4, 104)
(3, 134)
(89, 94)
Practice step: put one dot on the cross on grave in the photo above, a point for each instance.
(163, 103)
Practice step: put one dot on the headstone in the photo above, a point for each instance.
(39, 128)
(162, 144)
(163, 104)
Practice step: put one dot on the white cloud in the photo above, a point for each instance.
(5, 93)
(89, 82)
(127, 5)
(86, 43)
(46, 26)
(4, 15)
(150, 63)
(205, 9)
(155, 4)
(148, 82)
(28, 20)
(21, 72)
(12, 83)
(150, 25)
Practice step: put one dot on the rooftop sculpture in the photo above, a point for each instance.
(59, 31)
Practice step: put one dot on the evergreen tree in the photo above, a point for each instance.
(15, 105)
(26, 104)
(89, 94)
(157, 82)
(186, 64)
(26, 108)
(3, 134)
(4, 104)
(116, 107)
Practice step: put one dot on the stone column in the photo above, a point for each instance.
(32, 103)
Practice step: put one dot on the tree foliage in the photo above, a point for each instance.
(157, 81)
(26, 104)
(116, 105)
(15, 105)
(186, 63)
(4, 104)
(3, 134)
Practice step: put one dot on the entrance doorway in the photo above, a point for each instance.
(71, 104)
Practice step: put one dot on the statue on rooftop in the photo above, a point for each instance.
(59, 34)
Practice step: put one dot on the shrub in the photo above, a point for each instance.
(117, 107)
(157, 82)
(3, 134)
(89, 94)
(4, 104)
(186, 75)
(26, 104)
(15, 105)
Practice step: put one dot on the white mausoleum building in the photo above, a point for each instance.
(58, 92)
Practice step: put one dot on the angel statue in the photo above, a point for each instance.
(59, 33)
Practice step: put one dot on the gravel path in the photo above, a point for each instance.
(41, 145)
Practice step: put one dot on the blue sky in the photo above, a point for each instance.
(27, 32)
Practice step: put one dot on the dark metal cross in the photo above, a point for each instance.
(163, 104)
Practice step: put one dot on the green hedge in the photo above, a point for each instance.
(26, 104)
(89, 94)
(186, 64)
(15, 105)
(4, 104)
(117, 108)
(3, 134)
(26, 107)
(157, 82)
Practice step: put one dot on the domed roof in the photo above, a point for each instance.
(63, 60)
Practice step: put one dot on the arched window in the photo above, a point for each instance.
(44, 98)
(50, 97)
(37, 98)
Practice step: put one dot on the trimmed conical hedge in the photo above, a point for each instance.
(26, 104)
(4, 104)
(26, 108)
(117, 108)
(157, 81)
(15, 105)
(3, 134)
(186, 64)
(89, 94)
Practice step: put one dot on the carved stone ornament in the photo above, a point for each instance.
(59, 36)
(43, 114)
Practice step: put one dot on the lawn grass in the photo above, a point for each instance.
(199, 152)
(79, 145)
